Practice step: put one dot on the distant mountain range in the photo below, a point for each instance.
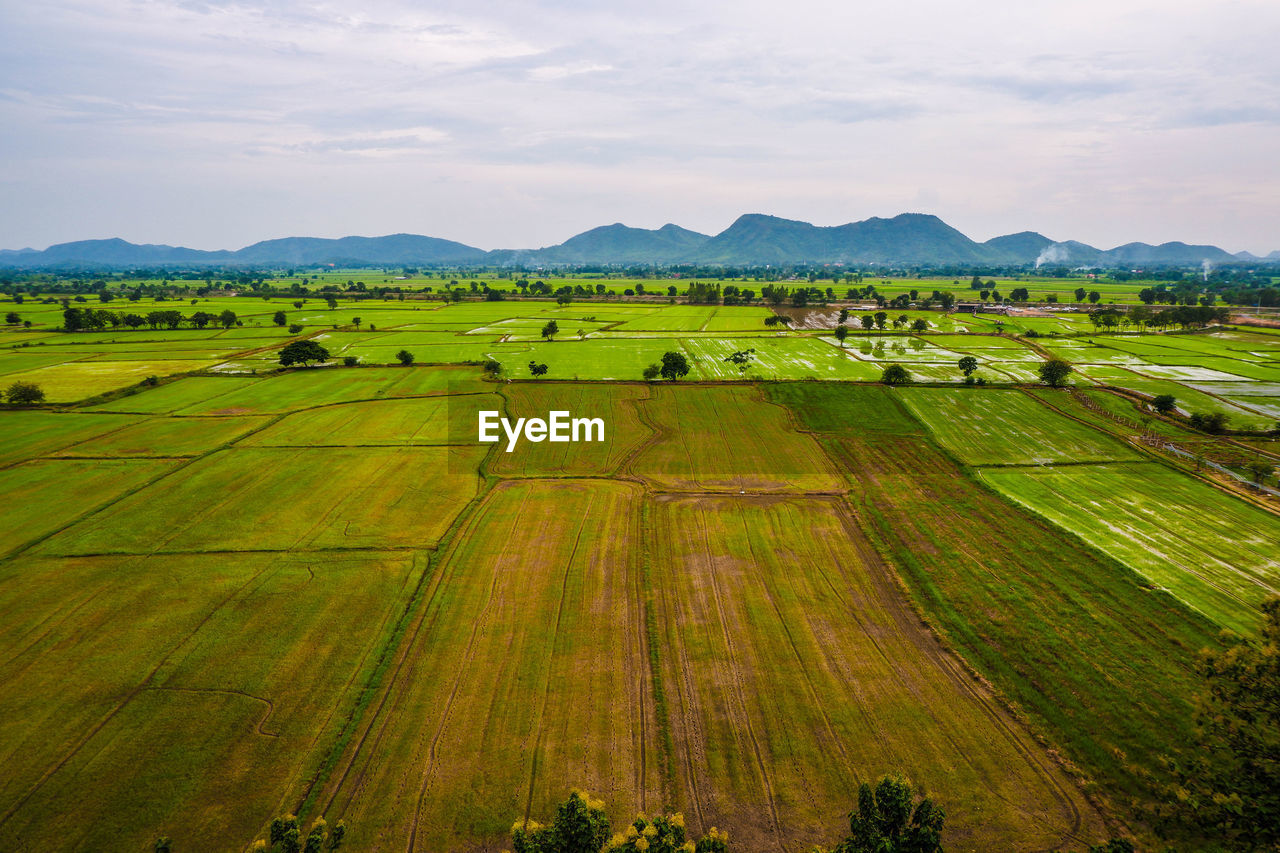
(754, 239)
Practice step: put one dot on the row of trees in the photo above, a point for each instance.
(89, 319)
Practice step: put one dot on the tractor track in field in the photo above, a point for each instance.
(892, 594)
(735, 667)
(551, 656)
(221, 691)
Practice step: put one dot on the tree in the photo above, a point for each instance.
(881, 318)
(895, 374)
(285, 835)
(492, 367)
(842, 332)
(1094, 296)
(652, 372)
(1164, 403)
(581, 826)
(1079, 293)
(73, 320)
(350, 360)
(12, 318)
(1054, 372)
(227, 318)
(25, 393)
(920, 325)
(405, 357)
(1210, 422)
(674, 365)
(889, 820)
(302, 352)
(1259, 470)
(279, 318)
(537, 369)
(549, 330)
(741, 359)
(1229, 787)
(867, 322)
(968, 365)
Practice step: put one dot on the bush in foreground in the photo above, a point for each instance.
(25, 393)
(581, 826)
(895, 374)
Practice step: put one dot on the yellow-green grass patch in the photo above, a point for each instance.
(77, 380)
(276, 499)
(188, 696)
(998, 427)
(795, 669)
(1213, 551)
(728, 438)
(45, 495)
(526, 673)
(390, 422)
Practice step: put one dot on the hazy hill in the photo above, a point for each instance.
(913, 238)
(752, 240)
(619, 244)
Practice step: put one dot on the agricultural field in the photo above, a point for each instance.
(233, 591)
(764, 632)
(1218, 556)
(983, 427)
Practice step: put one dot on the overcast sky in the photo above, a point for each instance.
(519, 124)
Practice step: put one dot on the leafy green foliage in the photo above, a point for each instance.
(1054, 372)
(968, 365)
(742, 358)
(581, 826)
(895, 374)
(674, 365)
(405, 357)
(549, 331)
(286, 836)
(24, 393)
(1229, 789)
(302, 352)
(537, 369)
(886, 822)
(1164, 403)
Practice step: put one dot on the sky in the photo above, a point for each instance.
(518, 124)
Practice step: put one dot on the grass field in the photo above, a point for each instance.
(727, 439)
(1214, 552)
(1009, 428)
(226, 597)
(796, 671)
(506, 688)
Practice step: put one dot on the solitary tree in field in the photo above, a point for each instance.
(549, 330)
(674, 365)
(537, 369)
(968, 365)
(1080, 293)
(279, 318)
(356, 321)
(1054, 372)
(12, 318)
(842, 332)
(920, 325)
(1164, 403)
(302, 352)
(895, 374)
(25, 393)
(742, 359)
(405, 357)
(227, 318)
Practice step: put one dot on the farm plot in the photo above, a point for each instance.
(615, 404)
(672, 318)
(594, 358)
(164, 437)
(272, 499)
(776, 358)
(180, 696)
(728, 438)
(737, 319)
(1189, 399)
(418, 421)
(526, 669)
(30, 434)
(44, 495)
(1065, 633)
(301, 389)
(795, 670)
(76, 380)
(842, 409)
(1009, 428)
(1219, 557)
